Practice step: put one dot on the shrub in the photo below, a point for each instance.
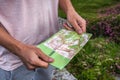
(107, 27)
(96, 61)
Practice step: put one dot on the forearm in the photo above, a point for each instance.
(8, 41)
(66, 6)
(31, 56)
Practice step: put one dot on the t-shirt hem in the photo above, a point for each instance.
(8, 68)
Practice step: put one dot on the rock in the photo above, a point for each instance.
(62, 75)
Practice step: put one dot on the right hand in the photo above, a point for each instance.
(77, 22)
(33, 57)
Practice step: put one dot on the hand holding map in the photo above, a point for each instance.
(63, 46)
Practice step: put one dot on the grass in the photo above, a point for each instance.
(95, 61)
(89, 8)
(98, 59)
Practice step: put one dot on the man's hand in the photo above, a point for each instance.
(77, 22)
(30, 55)
(33, 57)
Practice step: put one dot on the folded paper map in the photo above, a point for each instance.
(63, 46)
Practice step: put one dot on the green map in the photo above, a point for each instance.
(63, 46)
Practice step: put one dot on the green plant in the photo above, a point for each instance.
(96, 61)
(99, 59)
(88, 9)
(106, 27)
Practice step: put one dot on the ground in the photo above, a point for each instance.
(99, 58)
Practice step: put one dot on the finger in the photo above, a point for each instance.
(82, 25)
(77, 27)
(40, 63)
(35, 62)
(30, 66)
(67, 27)
(43, 56)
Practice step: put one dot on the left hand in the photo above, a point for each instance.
(77, 22)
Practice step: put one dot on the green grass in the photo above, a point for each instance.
(96, 61)
(89, 8)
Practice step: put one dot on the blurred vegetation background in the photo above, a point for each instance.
(100, 58)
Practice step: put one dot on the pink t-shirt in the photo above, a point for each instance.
(29, 21)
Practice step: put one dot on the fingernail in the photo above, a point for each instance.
(64, 24)
(79, 31)
(50, 59)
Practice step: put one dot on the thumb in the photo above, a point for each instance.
(40, 63)
(68, 26)
(44, 57)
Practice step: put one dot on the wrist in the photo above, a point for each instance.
(13, 46)
(17, 48)
(70, 10)
(66, 6)
(8, 42)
